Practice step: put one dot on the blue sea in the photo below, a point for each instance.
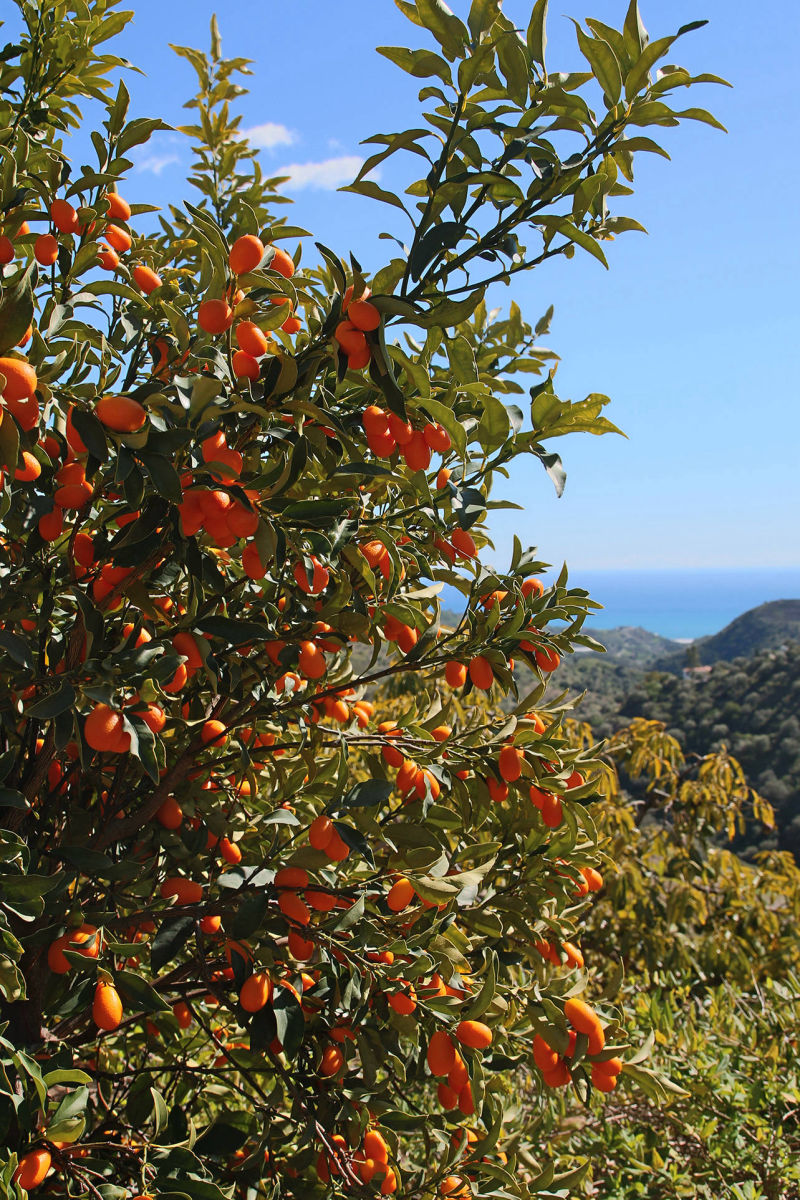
(678, 603)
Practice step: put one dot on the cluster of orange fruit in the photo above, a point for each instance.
(555, 1067)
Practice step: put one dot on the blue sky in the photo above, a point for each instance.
(693, 331)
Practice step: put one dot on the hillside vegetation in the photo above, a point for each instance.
(752, 706)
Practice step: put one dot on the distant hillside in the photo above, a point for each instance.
(764, 628)
(767, 627)
(634, 645)
(752, 706)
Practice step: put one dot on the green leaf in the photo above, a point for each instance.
(17, 648)
(482, 15)
(16, 310)
(604, 64)
(250, 915)
(368, 187)
(289, 1020)
(445, 27)
(49, 707)
(11, 798)
(582, 239)
(420, 63)
(91, 433)
(139, 994)
(71, 1075)
(638, 76)
(9, 441)
(164, 476)
(171, 937)
(367, 794)
(537, 33)
(235, 633)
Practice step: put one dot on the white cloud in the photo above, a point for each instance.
(269, 135)
(327, 175)
(155, 163)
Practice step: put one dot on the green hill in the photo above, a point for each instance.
(752, 706)
(764, 628)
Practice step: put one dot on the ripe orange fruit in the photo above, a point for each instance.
(332, 1061)
(351, 339)
(251, 339)
(544, 1056)
(441, 1054)
(246, 254)
(601, 1080)
(104, 730)
(437, 437)
(117, 237)
(214, 316)
(464, 543)
(118, 209)
(319, 579)
(455, 1187)
(146, 279)
(64, 216)
(481, 673)
(282, 263)
(84, 941)
(6, 250)
(581, 1015)
(51, 524)
(403, 1001)
(30, 470)
(417, 453)
(401, 894)
(182, 1014)
(256, 992)
(510, 763)
(559, 1076)
(497, 790)
(594, 880)
(294, 908)
(363, 315)
(108, 258)
(532, 587)
(552, 809)
(230, 851)
(547, 659)
(214, 731)
(244, 365)
(375, 1146)
(122, 414)
(32, 1169)
(320, 832)
(185, 891)
(474, 1034)
(170, 814)
(20, 379)
(45, 249)
(107, 1007)
(456, 674)
(359, 358)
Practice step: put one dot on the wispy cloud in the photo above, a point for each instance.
(269, 135)
(156, 163)
(327, 175)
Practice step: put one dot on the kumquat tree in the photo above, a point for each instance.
(293, 876)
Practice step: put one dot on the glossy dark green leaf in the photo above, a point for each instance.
(50, 706)
(171, 936)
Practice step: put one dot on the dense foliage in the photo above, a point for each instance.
(703, 946)
(751, 706)
(258, 936)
